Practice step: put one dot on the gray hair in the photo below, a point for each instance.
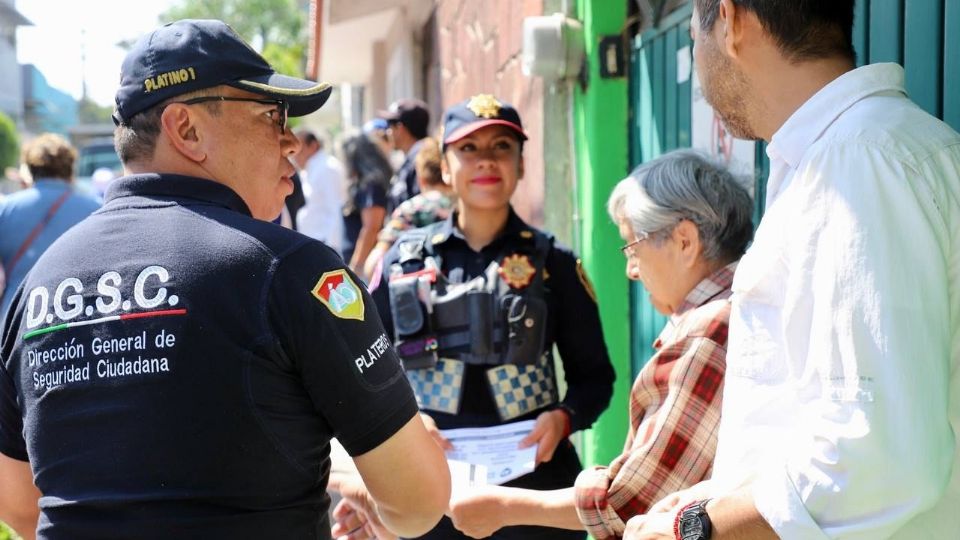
(136, 139)
(686, 184)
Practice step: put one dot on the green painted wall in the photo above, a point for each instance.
(601, 156)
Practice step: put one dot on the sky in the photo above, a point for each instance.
(64, 28)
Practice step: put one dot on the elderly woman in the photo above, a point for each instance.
(686, 222)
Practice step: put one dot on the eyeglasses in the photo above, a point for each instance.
(628, 248)
(281, 111)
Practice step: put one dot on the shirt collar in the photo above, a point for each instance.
(414, 148)
(47, 183)
(175, 186)
(808, 123)
(713, 287)
(515, 227)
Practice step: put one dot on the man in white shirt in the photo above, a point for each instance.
(321, 217)
(842, 396)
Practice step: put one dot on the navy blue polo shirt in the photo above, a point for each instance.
(172, 367)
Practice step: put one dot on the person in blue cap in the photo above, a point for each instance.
(477, 302)
(176, 365)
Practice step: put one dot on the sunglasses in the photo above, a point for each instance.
(281, 112)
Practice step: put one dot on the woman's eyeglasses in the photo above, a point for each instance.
(628, 248)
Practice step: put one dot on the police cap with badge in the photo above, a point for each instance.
(497, 320)
(190, 55)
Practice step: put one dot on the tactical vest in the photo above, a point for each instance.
(498, 319)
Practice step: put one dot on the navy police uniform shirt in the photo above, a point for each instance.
(573, 323)
(173, 367)
(404, 184)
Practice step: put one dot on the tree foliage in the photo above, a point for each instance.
(274, 27)
(6, 533)
(9, 142)
(88, 111)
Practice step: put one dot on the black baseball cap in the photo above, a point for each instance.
(478, 112)
(190, 55)
(412, 113)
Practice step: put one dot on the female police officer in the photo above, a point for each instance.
(477, 302)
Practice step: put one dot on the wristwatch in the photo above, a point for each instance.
(693, 523)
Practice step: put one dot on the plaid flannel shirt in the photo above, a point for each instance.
(674, 415)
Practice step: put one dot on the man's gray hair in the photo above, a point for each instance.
(686, 184)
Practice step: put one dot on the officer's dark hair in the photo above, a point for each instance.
(687, 185)
(136, 139)
(49, 156)
(803, 29)
(365, 162)
(417, 131)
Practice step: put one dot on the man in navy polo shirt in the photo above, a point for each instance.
(175, 365)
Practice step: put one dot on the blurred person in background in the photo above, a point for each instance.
(321, 216)
(434, 203)
(376, 129)
(368, 177)
(33, 218)
(408, 121)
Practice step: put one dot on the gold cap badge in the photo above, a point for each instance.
(484, 106)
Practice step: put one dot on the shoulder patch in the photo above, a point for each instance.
(340, 295)
(585, 281)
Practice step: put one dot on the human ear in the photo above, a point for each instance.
(179, 125)
(729, 19)
(687, 237)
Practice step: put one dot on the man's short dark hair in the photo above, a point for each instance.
(308, 137)
(804, 29)
(136, 139)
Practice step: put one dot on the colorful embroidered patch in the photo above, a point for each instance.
(340, 295)
(517, 270)
(484, 106)
(585, 281)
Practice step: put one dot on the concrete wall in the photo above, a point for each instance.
(479, 46)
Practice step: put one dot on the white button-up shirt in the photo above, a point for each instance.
(842, 396)
(321, 216)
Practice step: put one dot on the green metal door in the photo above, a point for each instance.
(659, 122)
(922, 35)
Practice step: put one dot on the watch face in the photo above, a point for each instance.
(690, 527)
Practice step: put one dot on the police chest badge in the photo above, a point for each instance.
(517, 270)
(340, 295)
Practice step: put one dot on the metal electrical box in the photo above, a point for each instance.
(552, 47)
